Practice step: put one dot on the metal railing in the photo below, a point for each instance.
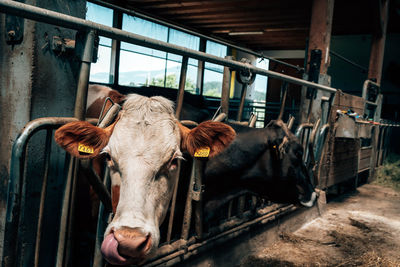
(174, 250)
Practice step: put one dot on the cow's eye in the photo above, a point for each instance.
(173, 164)
(107, 156)
(299, 154)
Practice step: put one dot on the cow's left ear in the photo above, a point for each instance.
(83, 140)
(215, 135)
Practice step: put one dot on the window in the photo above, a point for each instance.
(174, 61)
(140, 65)
(213, 73)
(100, 71)
(260, 83)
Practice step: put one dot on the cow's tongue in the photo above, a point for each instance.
(109, 249)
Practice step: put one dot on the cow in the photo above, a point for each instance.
(263, 161)
(142, 148)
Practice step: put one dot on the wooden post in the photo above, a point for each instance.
(320, 30)
(226, 84)
(378, 42)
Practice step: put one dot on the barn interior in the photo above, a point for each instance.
(338, 44)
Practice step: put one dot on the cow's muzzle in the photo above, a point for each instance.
(126, 246)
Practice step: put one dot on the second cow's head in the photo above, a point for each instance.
(142, 149)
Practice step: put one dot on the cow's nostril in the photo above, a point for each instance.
(133, 242)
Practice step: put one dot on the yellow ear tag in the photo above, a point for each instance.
(202, 152)
(85, 149)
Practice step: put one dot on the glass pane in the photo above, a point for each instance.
(212, 83)
(260, 84)
(145, 28)
(137, 69)
(191, 80)
(173, 74)
(216, 50)
(183, 39)
(100, 15)
(100, 71)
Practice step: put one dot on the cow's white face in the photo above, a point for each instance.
(142, 155)
(142, 148)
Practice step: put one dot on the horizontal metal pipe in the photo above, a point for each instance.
(59, 19)
(177, 27)
(223, 237)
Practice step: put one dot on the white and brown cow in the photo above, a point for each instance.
(142, 148)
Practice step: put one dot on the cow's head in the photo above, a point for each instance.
(142, 147)
(287, 152)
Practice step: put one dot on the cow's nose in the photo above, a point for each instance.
(132, 242)
(126, 246)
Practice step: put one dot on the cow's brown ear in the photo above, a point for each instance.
(83, 140)
(215, 135)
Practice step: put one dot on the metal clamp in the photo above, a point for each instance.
(196, 194)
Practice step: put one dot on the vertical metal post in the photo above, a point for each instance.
(67, 213)
(43, 195)
(242, 101)
(115, 50)
(173, 203)
(187, 216)
(226, 85)
(98, 260)
(284, 89)
(181, 90)
(200, 68)
(198, 190)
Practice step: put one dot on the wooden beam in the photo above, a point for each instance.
(241, 13)
(320, 30)
(378, 42)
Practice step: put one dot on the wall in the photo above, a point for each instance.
(34, 82)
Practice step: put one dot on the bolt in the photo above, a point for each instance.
(11, 34)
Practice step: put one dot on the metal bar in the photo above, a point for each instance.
(364, 69)
(311, 143)
(252, 120)
(242, 101)
(83, 80)
(187, 215)
(301, 127)
(97, 184)
(115, 48)
(98, 260)
(220, 117)
(284, 88)
(64, 216)
(290, 123)
(198, 189)
(177, 27)
(14, 193)
(59, 19)
(181, 90)
(79, 112)
(43, 195)
(173, 204)
(193, 249)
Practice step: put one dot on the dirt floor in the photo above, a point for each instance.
(356, 229)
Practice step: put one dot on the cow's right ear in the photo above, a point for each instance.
(83, 140)
(212, 134)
